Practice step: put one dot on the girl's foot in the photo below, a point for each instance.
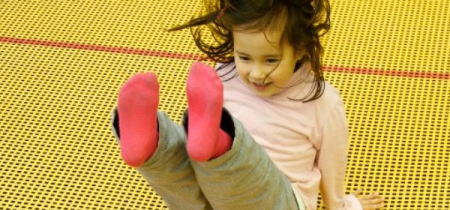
(205, 99)
(137, 109)
(369, 202)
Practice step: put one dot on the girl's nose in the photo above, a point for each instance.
(257, 74)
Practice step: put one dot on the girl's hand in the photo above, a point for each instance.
(369, 202)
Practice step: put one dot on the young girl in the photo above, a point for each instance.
(268, 137)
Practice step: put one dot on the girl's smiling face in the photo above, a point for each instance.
(262, 62)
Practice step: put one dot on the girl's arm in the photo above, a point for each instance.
(332, 159)
(332, 162)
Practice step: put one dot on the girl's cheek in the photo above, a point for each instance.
(241, 68)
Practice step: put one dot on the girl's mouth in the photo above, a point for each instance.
(261, 87)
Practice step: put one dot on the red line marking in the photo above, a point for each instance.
(388, 72)
(122, 50)
(186, 56)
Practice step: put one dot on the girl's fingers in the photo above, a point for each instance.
(373, 207)
(370, 202)
(372, 196)
(357, 192)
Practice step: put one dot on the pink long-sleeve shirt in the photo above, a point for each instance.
(307, 141)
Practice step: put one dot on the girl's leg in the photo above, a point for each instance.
(243, 177)
(167, 169)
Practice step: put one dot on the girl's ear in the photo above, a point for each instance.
(300, 54)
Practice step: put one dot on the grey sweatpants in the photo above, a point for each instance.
(243, 178)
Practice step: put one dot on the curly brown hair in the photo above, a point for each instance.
(305, 21)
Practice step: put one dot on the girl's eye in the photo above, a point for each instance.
(244, 58)
(272, 60)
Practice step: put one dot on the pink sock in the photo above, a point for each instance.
(205, 99)
(137, 109)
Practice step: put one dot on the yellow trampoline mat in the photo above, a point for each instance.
(63, 62)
